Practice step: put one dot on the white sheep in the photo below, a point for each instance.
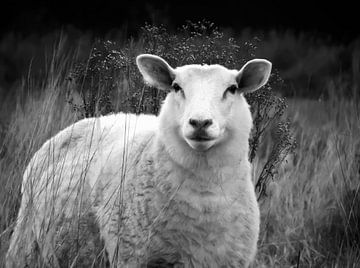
(174, 188)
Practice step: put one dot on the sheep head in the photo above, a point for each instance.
(205, 104)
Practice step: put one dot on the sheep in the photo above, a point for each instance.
(173, 189)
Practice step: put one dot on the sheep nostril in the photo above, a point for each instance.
(193, 123)
(199, 124)
(207, 123)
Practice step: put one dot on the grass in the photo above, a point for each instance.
(311, 214)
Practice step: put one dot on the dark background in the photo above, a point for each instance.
(335, 20)
(309, 42)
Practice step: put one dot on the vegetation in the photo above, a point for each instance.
(309, 193)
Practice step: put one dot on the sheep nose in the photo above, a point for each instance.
(200, 124)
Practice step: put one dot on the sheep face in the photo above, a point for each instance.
(203, 103)
(206, 101)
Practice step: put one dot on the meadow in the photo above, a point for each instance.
(305, 149)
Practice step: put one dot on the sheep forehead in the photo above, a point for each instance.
(207, 75)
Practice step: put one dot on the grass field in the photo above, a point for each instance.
(311, 214)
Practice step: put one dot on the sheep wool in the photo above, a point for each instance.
(173, 190)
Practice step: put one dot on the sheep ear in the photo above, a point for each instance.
(253, 75)
(156, 71)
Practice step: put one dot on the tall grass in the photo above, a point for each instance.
(39, 114)
(310, 216)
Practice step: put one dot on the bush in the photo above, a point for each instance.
(111, 69)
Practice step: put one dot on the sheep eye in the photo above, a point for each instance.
(231, 89)
(176, 87)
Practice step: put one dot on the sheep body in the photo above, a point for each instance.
(156, 199)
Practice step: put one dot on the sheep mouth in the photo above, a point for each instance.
(200, 141)
(201, 138)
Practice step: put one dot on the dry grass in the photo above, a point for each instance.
(36, 118)
(311, 217)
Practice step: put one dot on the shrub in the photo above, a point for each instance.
(111, 69)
